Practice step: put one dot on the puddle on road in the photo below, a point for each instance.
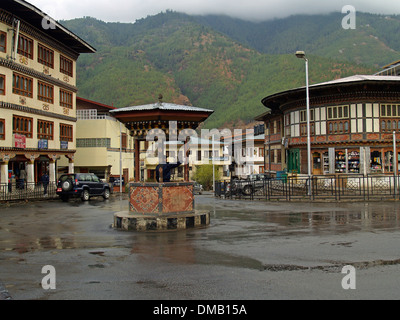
(226, 260)
(335, 267)
(333, 221)
(183, 248)
(230, 225)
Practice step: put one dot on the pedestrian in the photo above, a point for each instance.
(45, 182)
(22, 177)
(166, 170)
(10, 181)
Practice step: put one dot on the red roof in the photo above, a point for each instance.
(96, 103)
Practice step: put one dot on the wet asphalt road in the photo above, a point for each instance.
(252, 250)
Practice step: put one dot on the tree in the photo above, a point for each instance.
(204, 175)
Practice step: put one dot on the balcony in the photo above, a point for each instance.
(91, 114)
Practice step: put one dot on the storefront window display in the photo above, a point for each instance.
(354, 162)
(376, 162)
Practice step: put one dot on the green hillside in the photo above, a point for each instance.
(375, 41)
(190, 62)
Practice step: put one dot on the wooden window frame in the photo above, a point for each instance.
(3, 89)
(394, 111)
(66, 66)
(333, 113)
(45, 129)
(45, 56)
(66, 132)
(25, 46)
(303, 115)
(66, 99)
(23, 126)
(3, 48)
(303, 129)
(278, 156)
(338, 127)
(124, 141)
(394, 125)
(45, 92)
(3, 134)
(27, 92)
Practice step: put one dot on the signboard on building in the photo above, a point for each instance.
(64, 145)
(19, 141)
(43, 144)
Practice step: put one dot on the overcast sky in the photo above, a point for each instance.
(130, 10)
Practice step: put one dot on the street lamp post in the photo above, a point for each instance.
(302, 55)
(395, 162)
(213, 163)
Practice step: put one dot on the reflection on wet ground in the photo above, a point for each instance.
(338, 217)
(243, 235)
(57, 226)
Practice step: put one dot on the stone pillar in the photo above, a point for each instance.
(4, 177)
(52, 168)
(52, 171)
(4, 160)
(30, 174)
(71, 168)
(332, 160)
(30, 169)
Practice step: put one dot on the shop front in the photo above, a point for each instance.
(353, 160)
(25, 169)
(351, 125)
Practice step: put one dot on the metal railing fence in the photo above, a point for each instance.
(27, 191)
(335, 187)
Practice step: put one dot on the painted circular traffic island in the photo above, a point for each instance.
(161, 207)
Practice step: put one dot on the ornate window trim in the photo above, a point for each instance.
(35, 74)
(23, 125)
(45, 129)
(66, 132)
(2, 129)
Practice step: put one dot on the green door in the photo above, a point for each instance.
(293, 161)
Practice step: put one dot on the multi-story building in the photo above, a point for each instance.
(250, 160)
(354, 123)
(248, 153)
(104, 145)
(202, 152)
(37, 91)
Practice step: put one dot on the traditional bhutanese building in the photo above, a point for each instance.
(37, 91)
(103, 144)
(352, 121)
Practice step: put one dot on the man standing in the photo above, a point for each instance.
(22, 177)
(45, 182)
(166, 171)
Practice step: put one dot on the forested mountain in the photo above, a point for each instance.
(221, 63)
(375, 41)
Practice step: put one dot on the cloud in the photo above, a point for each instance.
(131, 10)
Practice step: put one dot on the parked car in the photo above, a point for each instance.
(83, 185)
(198, 188)
(115, 181)
(259, 176)
(232, 188)
(253, 183)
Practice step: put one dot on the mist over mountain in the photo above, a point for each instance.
(223, 63)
